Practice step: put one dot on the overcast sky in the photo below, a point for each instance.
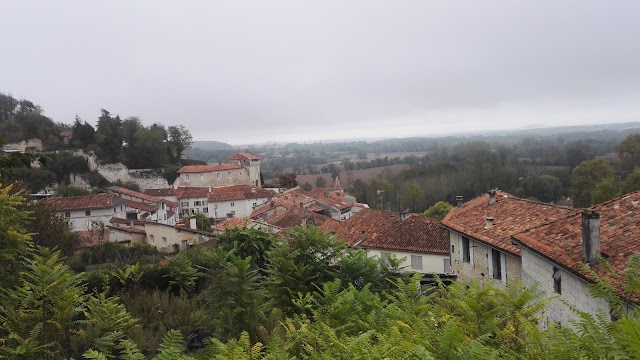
(255, 71)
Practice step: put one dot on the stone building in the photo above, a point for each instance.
(240, 169)
(553, 254)
(480, 233)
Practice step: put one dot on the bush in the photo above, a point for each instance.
(95, 179)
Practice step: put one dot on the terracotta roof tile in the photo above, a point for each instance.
(295, 215)
(129, 230)
(191, 192)
(84, 202)
(231, 223)
(160, 192)
(384, 230)
(561, 241)
(511, 215)
(140, 206)
(208, 168)
(125, 191)
(239, 192)
(244, 155)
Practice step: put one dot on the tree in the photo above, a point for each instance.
(306, 187)
(578, 152)
(288, 180)
(321, 182)
(150, 147)
(606, 189)
(84, 135)
(632, 182)
(629, 152)
(545, 188)
(69, 191)
(14, 239)
(438, 211)
(179, 139)
(50, 230)
(413, 194)
(109, 137)
(584, 178)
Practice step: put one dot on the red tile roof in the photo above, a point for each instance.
(191, 192)
(295, 215)
(384, 230)
(140, 206)
(231, 223)
(330, 198)
(239, 192)
(287, 200)
(244, 155)
(160, 192)
(117, 220)
(125, 191)
(96, 201)
(561, 241)
(208, 168)
(170, 203)
(129, 230)
(511, 215)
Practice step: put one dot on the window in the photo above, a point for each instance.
(229, 173)
(115, 210)
(233, 204)
(184, 204)
(496, 265)
(416, 262)
(164, 241)
(466, 253)
(557, 281)
(67, 214)
(87, 213)
(205, 210)
(152, 239)
(165, 217)
(447, 266)
(183, 245)
(196, 203)
(187, 176)
(217, 175)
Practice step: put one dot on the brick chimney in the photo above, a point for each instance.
(590, 236)
(459, 200)
(492, 197)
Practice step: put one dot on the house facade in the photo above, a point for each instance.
(480, 233)
(236, 201)
(168, 238)
(240, 169)
(422, 244)
(553, 256)
(83, 211)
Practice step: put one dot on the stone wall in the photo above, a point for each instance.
(144, 178)
(575, 291)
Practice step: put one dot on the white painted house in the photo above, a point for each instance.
(421, 243)
(82, 211)
(236, 201)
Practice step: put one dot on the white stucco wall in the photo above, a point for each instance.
(431, 263)
(79, 221)
(575, 291)
(242, 208)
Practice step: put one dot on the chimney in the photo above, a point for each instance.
(192, 223)
(130, 223)
(488, 222)
(590, 236)
(492, 197)
(458, 200)
(209, 188)
(405, 215)
(175, 186)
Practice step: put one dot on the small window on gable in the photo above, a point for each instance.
(229, 174)
(115, 210)
(217, 175)
(557, 281)
(187, 176)
(87, 213)
(233, 204)
(67, 214)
